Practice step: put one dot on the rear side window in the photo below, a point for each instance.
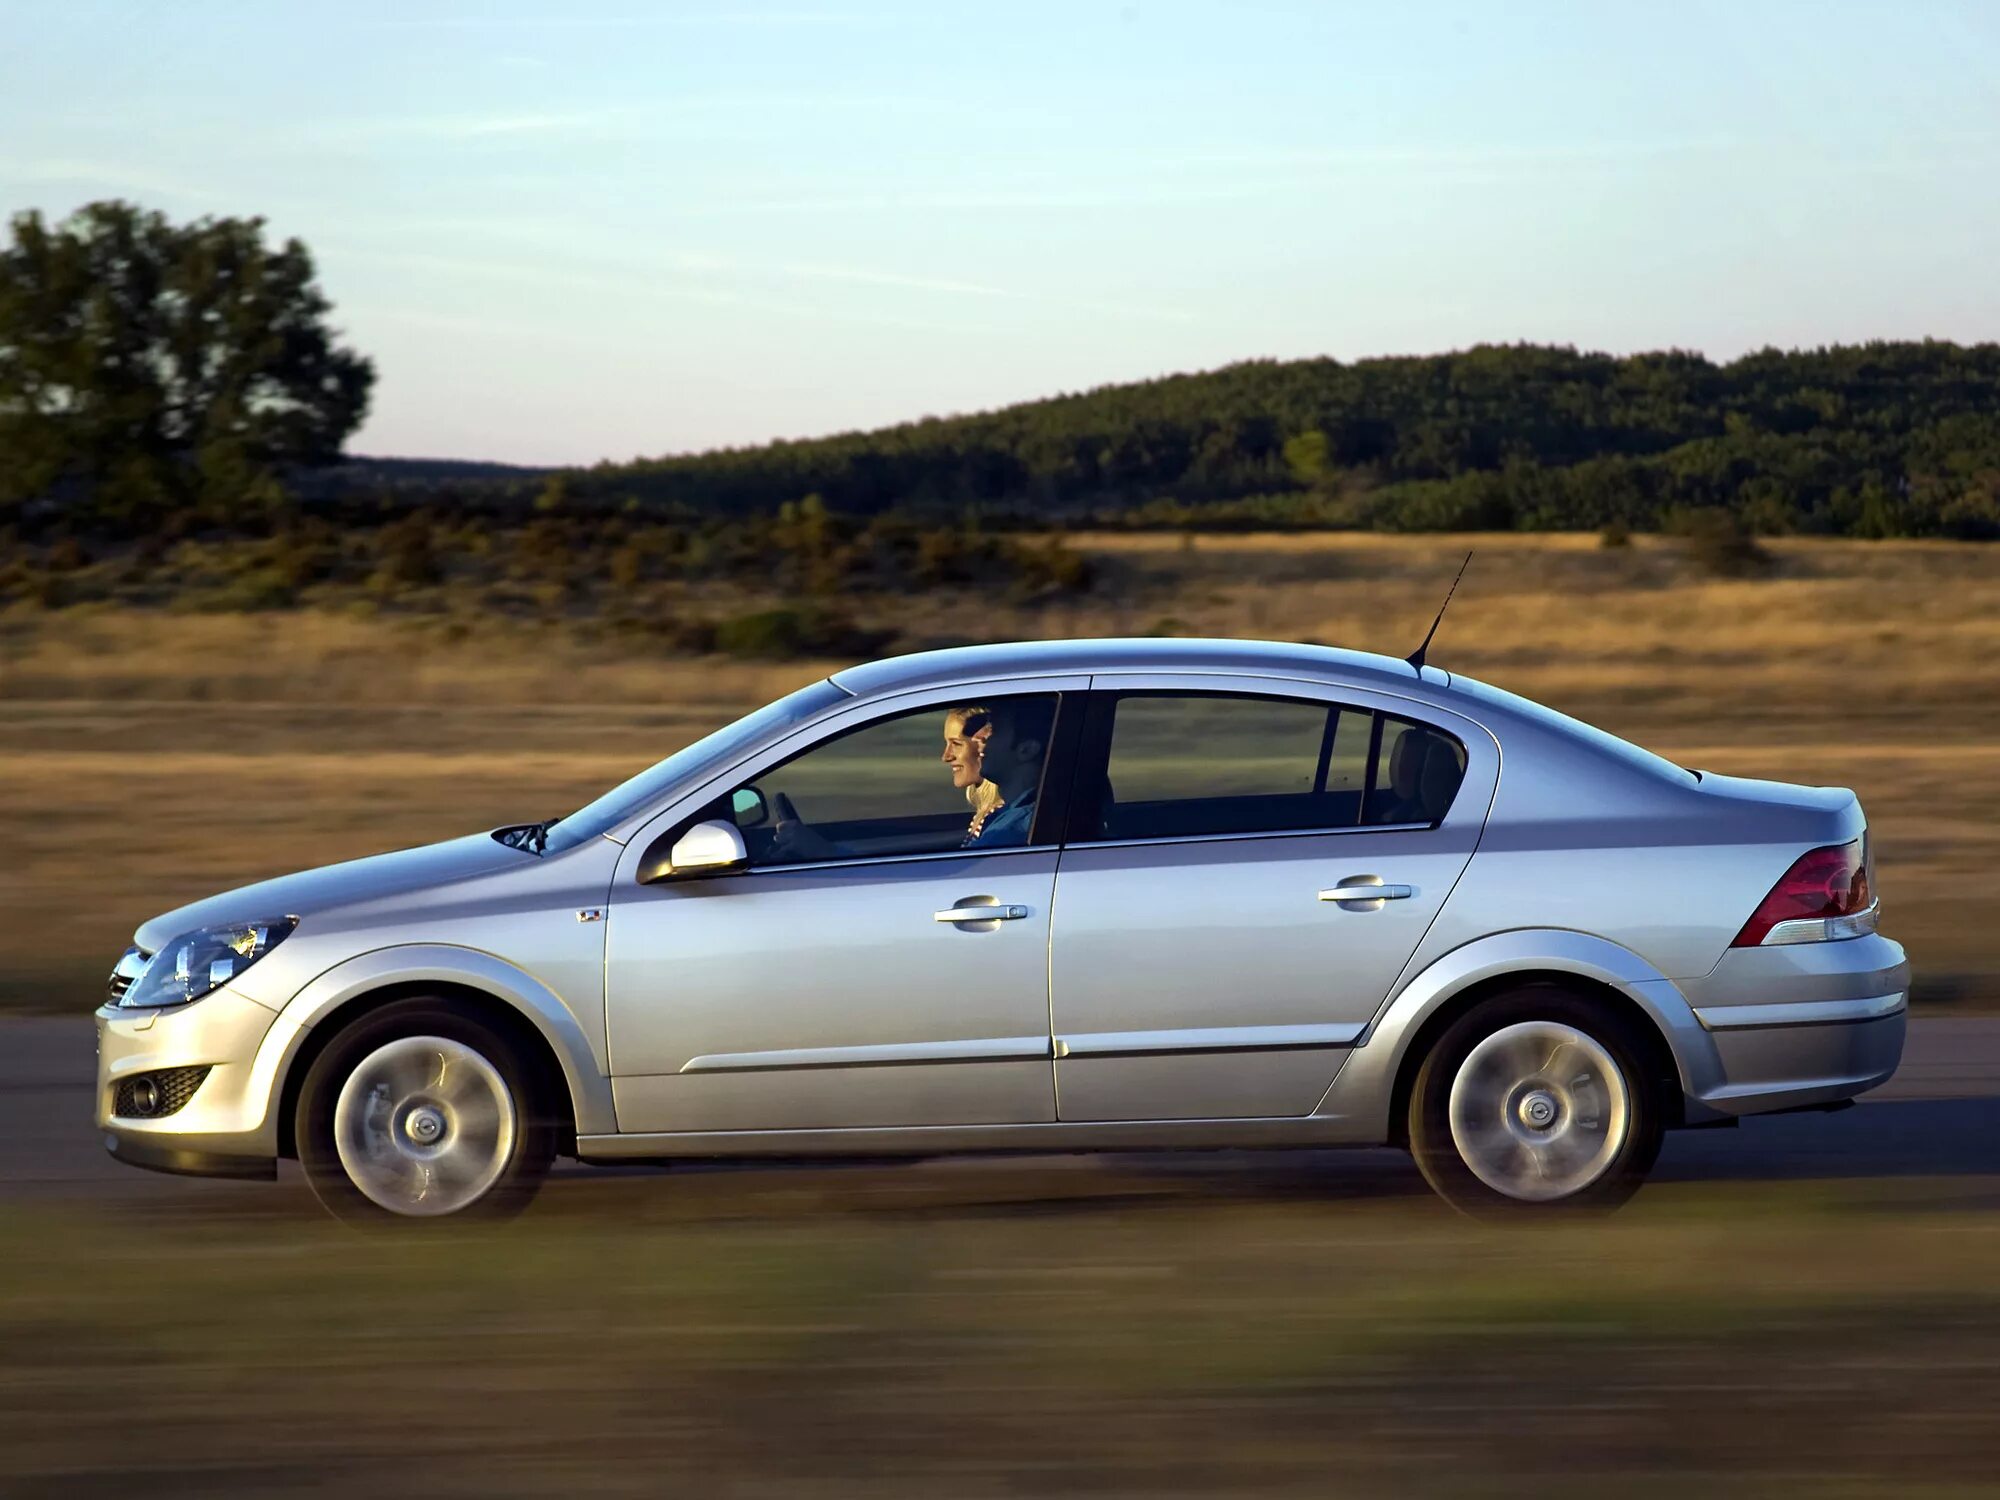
(1417, 770)
(1185, 765)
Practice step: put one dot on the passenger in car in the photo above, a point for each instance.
(966, 731)
(1016, 745)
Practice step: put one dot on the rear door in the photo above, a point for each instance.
(1202, 963)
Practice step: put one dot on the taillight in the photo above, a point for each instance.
(1824, 895)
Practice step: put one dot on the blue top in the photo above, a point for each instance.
(1007, 827)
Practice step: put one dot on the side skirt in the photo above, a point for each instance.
(930, 1140)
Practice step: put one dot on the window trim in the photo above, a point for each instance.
(1093, 761)
(855, 861)
(1048, 810)
(1263, 833)
(1374, 765)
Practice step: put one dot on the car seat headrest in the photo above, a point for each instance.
(1406, 763)
(1438, 783)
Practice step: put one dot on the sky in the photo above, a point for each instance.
(610, 229)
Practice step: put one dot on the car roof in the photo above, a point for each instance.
(925, 669)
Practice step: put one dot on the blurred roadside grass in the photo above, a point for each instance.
(807, 1333)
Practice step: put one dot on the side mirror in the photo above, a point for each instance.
(748, 807)
(703, 849)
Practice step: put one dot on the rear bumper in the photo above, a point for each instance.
(1788, 1013)
(1794, 1066)
(1794, 1026)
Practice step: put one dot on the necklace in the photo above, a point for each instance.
(979, 818)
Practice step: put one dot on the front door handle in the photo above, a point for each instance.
(1370, 890)
(988, 913)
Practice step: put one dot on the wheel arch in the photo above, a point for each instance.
(551, 1040)
(1376, 1082)
(1661, 1069)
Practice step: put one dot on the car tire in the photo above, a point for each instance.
(1536, 1100)
(422, 1111)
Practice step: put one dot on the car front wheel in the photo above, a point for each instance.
(1535, 1099)
(421, 1110)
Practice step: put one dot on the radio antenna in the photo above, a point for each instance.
(1416, 658)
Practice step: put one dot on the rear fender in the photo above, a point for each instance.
(1364, 1090)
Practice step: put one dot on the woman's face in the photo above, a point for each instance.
(965, 754)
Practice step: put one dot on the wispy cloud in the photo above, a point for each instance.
(899, 281)
(668, 283)
(998, 199)
(644, 20)
(559, 259)
(815, 272)
(1204, 177)
(97, 176)
(695, 116)
(1454, 155)
(471, 127)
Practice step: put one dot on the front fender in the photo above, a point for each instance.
(1363, 1091)
(445, 964)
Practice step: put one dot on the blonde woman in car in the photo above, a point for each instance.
(966, 731)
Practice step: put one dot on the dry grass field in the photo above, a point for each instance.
(147, 758)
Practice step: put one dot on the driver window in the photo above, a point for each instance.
(929, 781)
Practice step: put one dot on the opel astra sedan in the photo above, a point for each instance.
(1063, 896)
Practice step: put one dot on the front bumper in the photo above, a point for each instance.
(227, 1128)
(1796, 1025)
(139, 1150)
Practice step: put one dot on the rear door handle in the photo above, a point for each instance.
(981, 914)
(1369, 891)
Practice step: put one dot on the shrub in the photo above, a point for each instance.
(259, 589)
(1717, 543)
(1617, 534)
(409, 559)
(43, 589)
(677, 632)
(1973, 516)
(67, 556)
(945, 556)
(1050, 568)
(792, 631)
(627, 566)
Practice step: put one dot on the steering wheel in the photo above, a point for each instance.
(782, 805)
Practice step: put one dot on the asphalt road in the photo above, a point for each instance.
(1940, 1116)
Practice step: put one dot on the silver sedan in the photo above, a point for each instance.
(1049, 897)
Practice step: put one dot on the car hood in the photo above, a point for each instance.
(378, 877)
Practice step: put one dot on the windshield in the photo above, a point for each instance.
(630, 797)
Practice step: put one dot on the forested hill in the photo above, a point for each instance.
(1875, 439)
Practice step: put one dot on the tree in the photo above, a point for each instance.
(146, 365)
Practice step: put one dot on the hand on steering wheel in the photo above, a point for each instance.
(792, 838)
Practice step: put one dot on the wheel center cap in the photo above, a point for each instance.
(425, 1124)
(1538, 1110)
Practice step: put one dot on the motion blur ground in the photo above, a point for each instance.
(1801, 1305)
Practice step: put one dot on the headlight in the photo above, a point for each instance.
(207, 958)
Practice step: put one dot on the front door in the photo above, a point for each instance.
(849, 977)
(1203, 965)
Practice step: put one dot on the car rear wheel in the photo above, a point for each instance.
(422, 1110)
(1536, 1099)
